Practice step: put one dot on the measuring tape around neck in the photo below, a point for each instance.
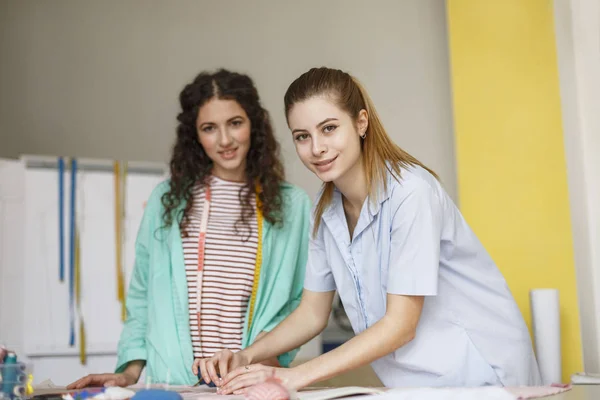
(202, 254)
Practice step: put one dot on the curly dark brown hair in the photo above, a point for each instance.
(190, 164)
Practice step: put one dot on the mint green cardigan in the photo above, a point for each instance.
(157, 326)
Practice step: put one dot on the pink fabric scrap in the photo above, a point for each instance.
(535, 392)
(271, 389)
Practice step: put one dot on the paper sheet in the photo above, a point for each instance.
(336, 393)
(487, 393)
(206, 393)
(47, 384)
(48, 387)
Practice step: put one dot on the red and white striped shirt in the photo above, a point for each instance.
(228, 275)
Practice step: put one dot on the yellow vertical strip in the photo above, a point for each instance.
(510, 153)
(122, 200)
(258, 264)
(82, 336)
(119, 238)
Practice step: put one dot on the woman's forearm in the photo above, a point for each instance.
(302, 325)
(396, 328)
(379, 340)
(271, 362)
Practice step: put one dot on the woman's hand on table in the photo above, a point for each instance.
(128, 377)
(99, 380)
(241, 378)
(216, 367)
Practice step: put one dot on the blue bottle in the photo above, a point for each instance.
(10, 372)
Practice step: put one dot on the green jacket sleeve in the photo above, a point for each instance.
(132, 344)
(299, 226)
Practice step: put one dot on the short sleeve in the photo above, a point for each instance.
(415, 242)
(318, 275)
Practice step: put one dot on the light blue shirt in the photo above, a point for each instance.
(414, 241)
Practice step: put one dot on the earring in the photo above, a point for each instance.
(364, 135)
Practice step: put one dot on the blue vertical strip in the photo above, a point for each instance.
(72, 252)
(61, 219)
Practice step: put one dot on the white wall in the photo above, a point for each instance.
(101, 79)
(12, 232)
(578, 44)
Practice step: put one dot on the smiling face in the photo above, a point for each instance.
(224, 132)
(327, 138)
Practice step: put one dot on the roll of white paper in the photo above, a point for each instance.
(545, 320)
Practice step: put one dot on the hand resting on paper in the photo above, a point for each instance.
(97, 380)
(128, 377)
(215, 368)
(218, 365)
(239, 380)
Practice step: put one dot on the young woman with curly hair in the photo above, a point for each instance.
(222, 247)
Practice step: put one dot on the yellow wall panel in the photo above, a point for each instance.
(512, 179)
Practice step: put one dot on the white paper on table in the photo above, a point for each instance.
(47, 384)
(487, 393)
(202, 393)
(336, 393)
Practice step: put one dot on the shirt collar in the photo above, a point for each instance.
(382, 194)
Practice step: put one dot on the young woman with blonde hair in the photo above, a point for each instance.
(427, 303)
